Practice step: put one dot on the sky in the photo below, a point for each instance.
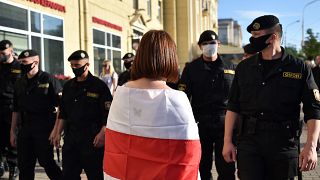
(288, 12)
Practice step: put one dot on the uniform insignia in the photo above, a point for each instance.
(93, 95)
(7, 46)
(82, 55)
(182, 87)
(292, 75)
(45, 85)
(129, 55)
(26, 54)
(16, 71)
(229, 71)
(107, 105)
(256, 26)
(213, 36)
(316, 94)
(60, 94)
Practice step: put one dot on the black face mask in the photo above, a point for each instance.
(78, 71)
(127, 64)
(25, 68)
(259, 43)
(4, 58)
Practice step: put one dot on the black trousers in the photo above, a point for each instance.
(33, 146)
(267, 155)
(6, 150)
(210, 136)
(81, 155)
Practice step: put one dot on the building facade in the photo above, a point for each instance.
(106, 29)
(230, 32)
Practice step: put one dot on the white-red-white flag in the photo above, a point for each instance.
(151, 134)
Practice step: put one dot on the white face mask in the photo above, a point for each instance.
(209, 50)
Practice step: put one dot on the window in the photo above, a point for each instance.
(27, 32)
(149, 8)
(106, 46)
(135, 4)
(159, 17)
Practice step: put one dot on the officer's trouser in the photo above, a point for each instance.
(81, 155)
(33, 146)
(208, 137)
(5, 147)
(267, 154)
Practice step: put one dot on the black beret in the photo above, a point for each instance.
(5, 44)
(207, 35)
(27, 53)
(78, 55)
(248, 49)
(263, 22)
(127, 56)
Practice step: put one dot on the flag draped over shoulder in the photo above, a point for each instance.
(151, 134)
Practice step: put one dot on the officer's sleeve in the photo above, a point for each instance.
(184, 83)
(310, 96)
(15, 97)
(62, 111)
(56, 89)
(233, 101)
(105, 102)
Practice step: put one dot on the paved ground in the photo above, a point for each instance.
(312, 175)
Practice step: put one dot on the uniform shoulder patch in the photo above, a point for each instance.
(182, 87)
(316, 94)
(229, 71)
(107, 105)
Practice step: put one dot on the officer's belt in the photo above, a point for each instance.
(261, 124)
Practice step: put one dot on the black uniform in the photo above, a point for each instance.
(84, 108)
(207, 86)
(9, 73)
(124, 77)
(267, 95)
(35, 99)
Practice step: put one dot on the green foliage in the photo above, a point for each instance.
(311, 46)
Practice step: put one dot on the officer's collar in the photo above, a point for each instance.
(255, 59)
(219, 62)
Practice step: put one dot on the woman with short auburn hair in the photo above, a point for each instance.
(157, 58)
(151, 132)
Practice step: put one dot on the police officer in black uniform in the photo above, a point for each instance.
(83, 114)
(266, 94)
(36, 96)
(9, 73)
(206, 82)
(125, 76)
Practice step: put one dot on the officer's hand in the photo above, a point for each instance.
(56, 140)
(13, 139)
(308, 158)
(99, 139)
(229, 152)
(52, 135)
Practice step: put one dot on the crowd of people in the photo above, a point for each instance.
(136, 126)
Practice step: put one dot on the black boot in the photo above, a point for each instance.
(2, 170)
(13, 173)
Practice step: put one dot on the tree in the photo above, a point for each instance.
(311, 46)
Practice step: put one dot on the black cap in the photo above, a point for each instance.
(248, 49)
(27, 53)
(127, 56)
(263, 22)
(207, 35)
(5, 44)
(78, 55)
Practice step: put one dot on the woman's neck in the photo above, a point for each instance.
(146, 83)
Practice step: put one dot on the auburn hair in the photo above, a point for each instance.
(156, 57)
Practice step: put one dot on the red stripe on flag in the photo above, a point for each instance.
(139, 158)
